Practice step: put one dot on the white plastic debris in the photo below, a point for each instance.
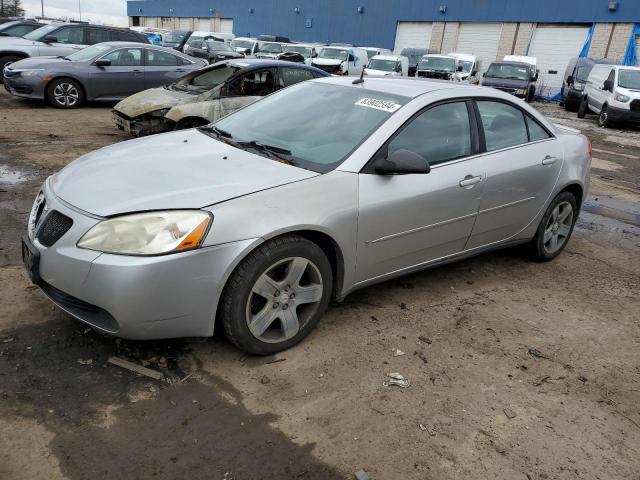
(396, 379)
(397, 352)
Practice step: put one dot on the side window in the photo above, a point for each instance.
(97, 35)
(196, 44)
(612, 75)
(291, 76)
(536, 132)
(71, 35)
(503, 125)
(440, 134)
(156, 58)
(125, 57)
(258, 83)
(18, 30)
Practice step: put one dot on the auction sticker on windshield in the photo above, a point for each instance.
(378, 104)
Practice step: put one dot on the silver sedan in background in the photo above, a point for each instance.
(107, 71)
(256, 222)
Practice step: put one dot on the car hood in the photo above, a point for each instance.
(152, 100)
(504, 83)
(17, 41)
(326, 61)
(38, 62)
(377, 73)
(185, 169)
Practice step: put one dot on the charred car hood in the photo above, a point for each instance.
(152, 100)
(185, 169)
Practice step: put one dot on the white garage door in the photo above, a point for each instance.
(185, 24)
(150, 22)
(204, 25)
(481, 40)
(226, 25)
(412, 35)
(553, 47)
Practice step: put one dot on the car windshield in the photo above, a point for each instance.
(302, 50)
(174, 37)
(242, 44)
(271, 48)
(88, 53)
(41, 32)
(582, 73)
(333, 54)
(384, 65)
(629, 79)
(466, 66)
(205, 81)
(506, 71)
(218, 46)
(319, 124)
(439, 64)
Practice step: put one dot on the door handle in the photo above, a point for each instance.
(179, 70)
(469, 181)
(549, 160)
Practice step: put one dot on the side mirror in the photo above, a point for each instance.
(402, 162)
(474, 73)
(459, 69)
(50, 39)
(569, 79)
(608, 85)
(102, 62)
(536, 75)
(484, 75)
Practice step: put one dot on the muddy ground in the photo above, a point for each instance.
(479, 405)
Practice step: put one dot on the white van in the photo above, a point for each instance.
(612, 92)
(246, 45)
(471, 67)
(339, 60)
(388, 66)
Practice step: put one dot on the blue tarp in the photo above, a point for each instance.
(631, 55)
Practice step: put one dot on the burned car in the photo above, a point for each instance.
(207, 95)
(439, 67)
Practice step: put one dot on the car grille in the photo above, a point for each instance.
(53, 227)
(26, 89)
(328, 68)
(86, 312)
(635, 106)
(512, 91)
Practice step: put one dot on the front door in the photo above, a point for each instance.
(522, 163)
(124, 77)
(69, 39)
(409, 220)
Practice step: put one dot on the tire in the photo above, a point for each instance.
(583, 109)
(191, 123)
(603, 117)
(555, 228)
(531, 94)
(261, 310)
(6, 60)
(65, 93)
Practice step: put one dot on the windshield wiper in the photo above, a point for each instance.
(277, 153)
(220, 134)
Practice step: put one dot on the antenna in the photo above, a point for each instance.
(359, 80)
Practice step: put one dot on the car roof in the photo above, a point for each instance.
(463, 56)
(507, 62)
(387, 57)
(406, 87)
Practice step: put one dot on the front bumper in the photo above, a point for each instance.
(30, 87)
(623, 115)
(142, 125)
(139, 298)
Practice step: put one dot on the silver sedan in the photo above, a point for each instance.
(254, 223)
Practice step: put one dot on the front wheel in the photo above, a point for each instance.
(555, 228)
(277, 295)
(65, 93)
(583, 109)
(603, 118)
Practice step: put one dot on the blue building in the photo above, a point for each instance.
(551, 30)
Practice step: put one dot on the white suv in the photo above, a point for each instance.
(612, 92)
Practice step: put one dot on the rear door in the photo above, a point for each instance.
(124, 77)
(409, 220)
(522, 164)
(288, 76)
(162, 68)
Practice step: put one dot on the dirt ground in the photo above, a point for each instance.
(479, 405)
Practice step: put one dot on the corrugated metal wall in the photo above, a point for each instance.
(341, 21)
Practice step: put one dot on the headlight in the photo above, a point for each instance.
(621, 98)
(29, 72)
(578, 86)
(150, 233)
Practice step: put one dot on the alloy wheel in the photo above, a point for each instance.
(66, 94)
(283, 299)
(558, 227)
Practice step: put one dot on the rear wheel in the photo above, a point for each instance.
(65, 93)
(583, 109)
(277, 295)
(191, 123)
(555, 228)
